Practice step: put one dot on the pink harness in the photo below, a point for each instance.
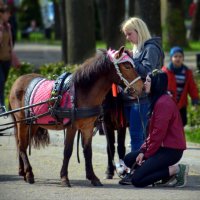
(42, 92)
(124, 57)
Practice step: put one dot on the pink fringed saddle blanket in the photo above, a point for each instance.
(41, 92)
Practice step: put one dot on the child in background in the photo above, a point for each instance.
(181, 82)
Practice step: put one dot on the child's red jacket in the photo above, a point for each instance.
(190, 88)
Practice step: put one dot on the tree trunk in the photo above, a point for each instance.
(149, 11)
(131, 8)
(57, 21)
(116, 14)
(80, 30)
(176, 30)
(195, 29)
(102, 13)
(63, 29)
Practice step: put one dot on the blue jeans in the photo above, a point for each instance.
(4, 70)
(136, 115)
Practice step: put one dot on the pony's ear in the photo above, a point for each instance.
(129, 53)
(120, 52)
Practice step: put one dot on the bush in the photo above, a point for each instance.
(193, 135)
(194, 112)
(26, 68)
(53, 70)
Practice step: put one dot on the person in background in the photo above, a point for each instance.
(181, 82)
(147, 54)
(5, 50)
(192, 8)
(13, 19)
(156, 160)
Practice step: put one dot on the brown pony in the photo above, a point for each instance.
(92, 82)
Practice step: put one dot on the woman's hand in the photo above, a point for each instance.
(139, 159)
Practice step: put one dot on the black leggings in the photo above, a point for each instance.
(154, 168)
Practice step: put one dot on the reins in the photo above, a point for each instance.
(27, 107)
(32, 118)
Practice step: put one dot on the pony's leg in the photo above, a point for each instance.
(21, 164)
(24, 163)
(110, 152)
(68, 148)
(21, 167)
(121, 136)
(87, 150)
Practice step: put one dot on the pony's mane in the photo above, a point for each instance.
(92, 69)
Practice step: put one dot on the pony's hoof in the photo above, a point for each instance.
(96, 183)
(30, 180)
(65, 182)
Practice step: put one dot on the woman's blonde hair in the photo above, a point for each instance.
(140, 27)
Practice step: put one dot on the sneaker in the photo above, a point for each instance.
(126, 180)
(167, 182)
(181, 177)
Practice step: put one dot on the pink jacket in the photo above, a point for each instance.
(165, 128)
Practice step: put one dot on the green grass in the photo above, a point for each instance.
(100, 45)
(38, 37)
(193, 135)
(194, 45)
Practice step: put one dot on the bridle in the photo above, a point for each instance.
(116, 61)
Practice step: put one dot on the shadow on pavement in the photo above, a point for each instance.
(8, 177)
(193, 184)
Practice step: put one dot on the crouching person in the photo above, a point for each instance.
(158, 157)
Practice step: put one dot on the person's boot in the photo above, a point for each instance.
(126, 180)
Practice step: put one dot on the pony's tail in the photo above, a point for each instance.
(40, 138)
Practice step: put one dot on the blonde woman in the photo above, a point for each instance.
(147, 55)
(5, 50)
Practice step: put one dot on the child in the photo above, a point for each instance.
(181, 82)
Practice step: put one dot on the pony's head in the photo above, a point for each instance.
(120, 56)
(125, 68)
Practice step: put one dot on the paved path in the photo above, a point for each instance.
(38, 54)
(46, 165)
